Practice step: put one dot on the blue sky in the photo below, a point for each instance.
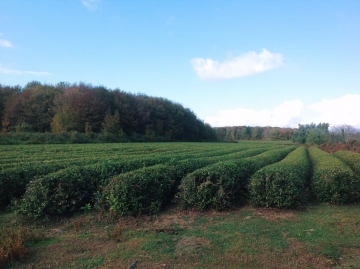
(256, 63)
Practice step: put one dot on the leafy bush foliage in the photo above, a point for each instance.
(352, 159)
(124, 196)
(332, 180)
(13, 181)
(70, 189)
(219, 185)
(143, 191)
(282, 184)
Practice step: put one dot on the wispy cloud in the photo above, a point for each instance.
(286, 114)
(91, 4)
(342, 110)
(337, 111)
(8, 71)
(5, 43)
(247, 64)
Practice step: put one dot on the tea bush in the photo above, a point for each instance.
(125, 196)
(283, 184)
(70, 189)
(332, 180)
(352, 159)
(142, 191)
(219, 185)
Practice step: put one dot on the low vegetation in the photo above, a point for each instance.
(123, 202)
(219, 185)
(352, 159)
(284, 184)
(322, 236)
(332, 180)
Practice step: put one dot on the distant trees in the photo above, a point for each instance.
(233, 133)
(7, 94)
(91, 109)
(30, 110)
(345, 134)
(78, 108)
(311, 133)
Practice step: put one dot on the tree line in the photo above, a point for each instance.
(64, 112)
(234, 133)
(84, 108)
(311, 133)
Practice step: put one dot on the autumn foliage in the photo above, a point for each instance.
(84, 108)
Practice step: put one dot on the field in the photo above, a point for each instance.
(178, 205)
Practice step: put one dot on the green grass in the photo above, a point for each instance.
(320, 236)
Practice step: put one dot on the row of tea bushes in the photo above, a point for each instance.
(219, 185)
(283, 184)
(352, 159)
(149, 189)
(332, 180)
(13, 181)
(69, 189)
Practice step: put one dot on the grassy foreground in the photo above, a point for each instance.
(320, 236)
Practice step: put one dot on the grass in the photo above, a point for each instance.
(320, 236)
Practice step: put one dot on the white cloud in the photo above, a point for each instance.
(342, 110)
(285, 115)
(91, 4)
(245, 65)
(8, 71)
(5, 43)
(338, 111)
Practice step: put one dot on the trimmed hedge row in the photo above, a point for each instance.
(147, 190)
(352, 159)
(13, 181)
(219, 185)
(332, 180)
(283, 184)
(69, 189)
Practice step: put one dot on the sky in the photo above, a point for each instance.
(232, 62)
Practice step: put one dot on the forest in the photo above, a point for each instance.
(82, 108)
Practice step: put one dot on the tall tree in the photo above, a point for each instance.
(78, 107)
(7, 94)
(32, 110)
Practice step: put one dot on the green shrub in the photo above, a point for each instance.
(124, 196)
(283, 184)
(352, 159)
(219, 185)
(332, 180)
(142, 191)
(70, 189)
(13, 181)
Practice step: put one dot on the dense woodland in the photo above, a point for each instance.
(79, 113)
(83, 108)
(235, 133)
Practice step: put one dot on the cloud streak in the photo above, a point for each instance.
(338, 111)
(5, 43)
(286, 114)
(342, 110)
(247, 64)
(8, 71)
(91, 4)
